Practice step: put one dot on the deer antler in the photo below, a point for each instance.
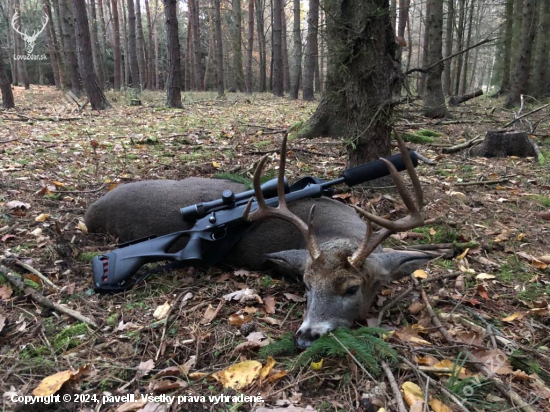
(37, 33)
(281, 211)
(414, 219)
(13, 24)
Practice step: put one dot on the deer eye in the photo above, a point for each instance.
(352, 290)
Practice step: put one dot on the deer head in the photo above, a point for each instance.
(342, 276)
(30, 40)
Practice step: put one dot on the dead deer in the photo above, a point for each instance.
(336, 254)
(342, 276)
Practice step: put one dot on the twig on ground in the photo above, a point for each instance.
(43, 300)
(394, 387)
(163, 336)
(465, 145)
(526, 114)
(443, 389)
(409, 290)
(36, 272)
(482, 182)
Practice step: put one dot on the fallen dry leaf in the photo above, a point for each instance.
(161, 311)
(495, 360)
(131, 406)
(413, 395)
(420, 274)
(210, 313)
(408, 334)
(2, 322)
(42, 217)
(271, 321)
(269, 304)
(294, 298)
(485, 276)
(166, 385)
(16, 204)
(5, 292)
(240, 375)
(544, 215)
(513, 317)
(51, 384)
(239, 319)
(438, 406)
(82, 227)
(170, 371)
(243, 295)
(267, 368)
(144, 368)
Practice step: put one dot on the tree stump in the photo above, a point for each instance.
(502, 143)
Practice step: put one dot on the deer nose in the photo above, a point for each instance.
(306, 337)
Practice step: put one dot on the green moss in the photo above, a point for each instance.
(86, 257)
(543, 200)
(66, 338)
(416, 138)
(233, 177)
(113, 319)
(443, 234)
(32, 284)
(428, 133)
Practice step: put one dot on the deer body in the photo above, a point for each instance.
(336, 254)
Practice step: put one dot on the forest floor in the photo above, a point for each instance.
(50, 171)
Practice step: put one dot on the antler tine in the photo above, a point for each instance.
(281, 211)
(414, 219)
(410, 169)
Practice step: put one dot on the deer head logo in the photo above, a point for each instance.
(30, 40)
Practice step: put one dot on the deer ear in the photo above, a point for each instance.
(390, 264)
(287, 262)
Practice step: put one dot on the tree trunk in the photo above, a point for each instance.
(21, 64)
(173, 81)
(542, 78)
(404, 6)
(197, 45)
(449, 31)
(97, 99)
(464, 83)
(460, 37)
(260, 6)
(125, 47)
(278, 86)
(250, 46)
(434, 100)
(158, 83)
(219, 49)
(284, 45)
(523, 67)
(69, 43)
(12, 38)
(103, 37)
(236, 46)
(425, 53)
(359, 85)
(321, 48)
(502, 143)
(96, 48)
(5, 86)
(116, 46)
(140, 43)
(134, 65)
(150, 48)
(297, 61)
(52, 44)
(393, 11)
(311, 49)
(506, 59)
